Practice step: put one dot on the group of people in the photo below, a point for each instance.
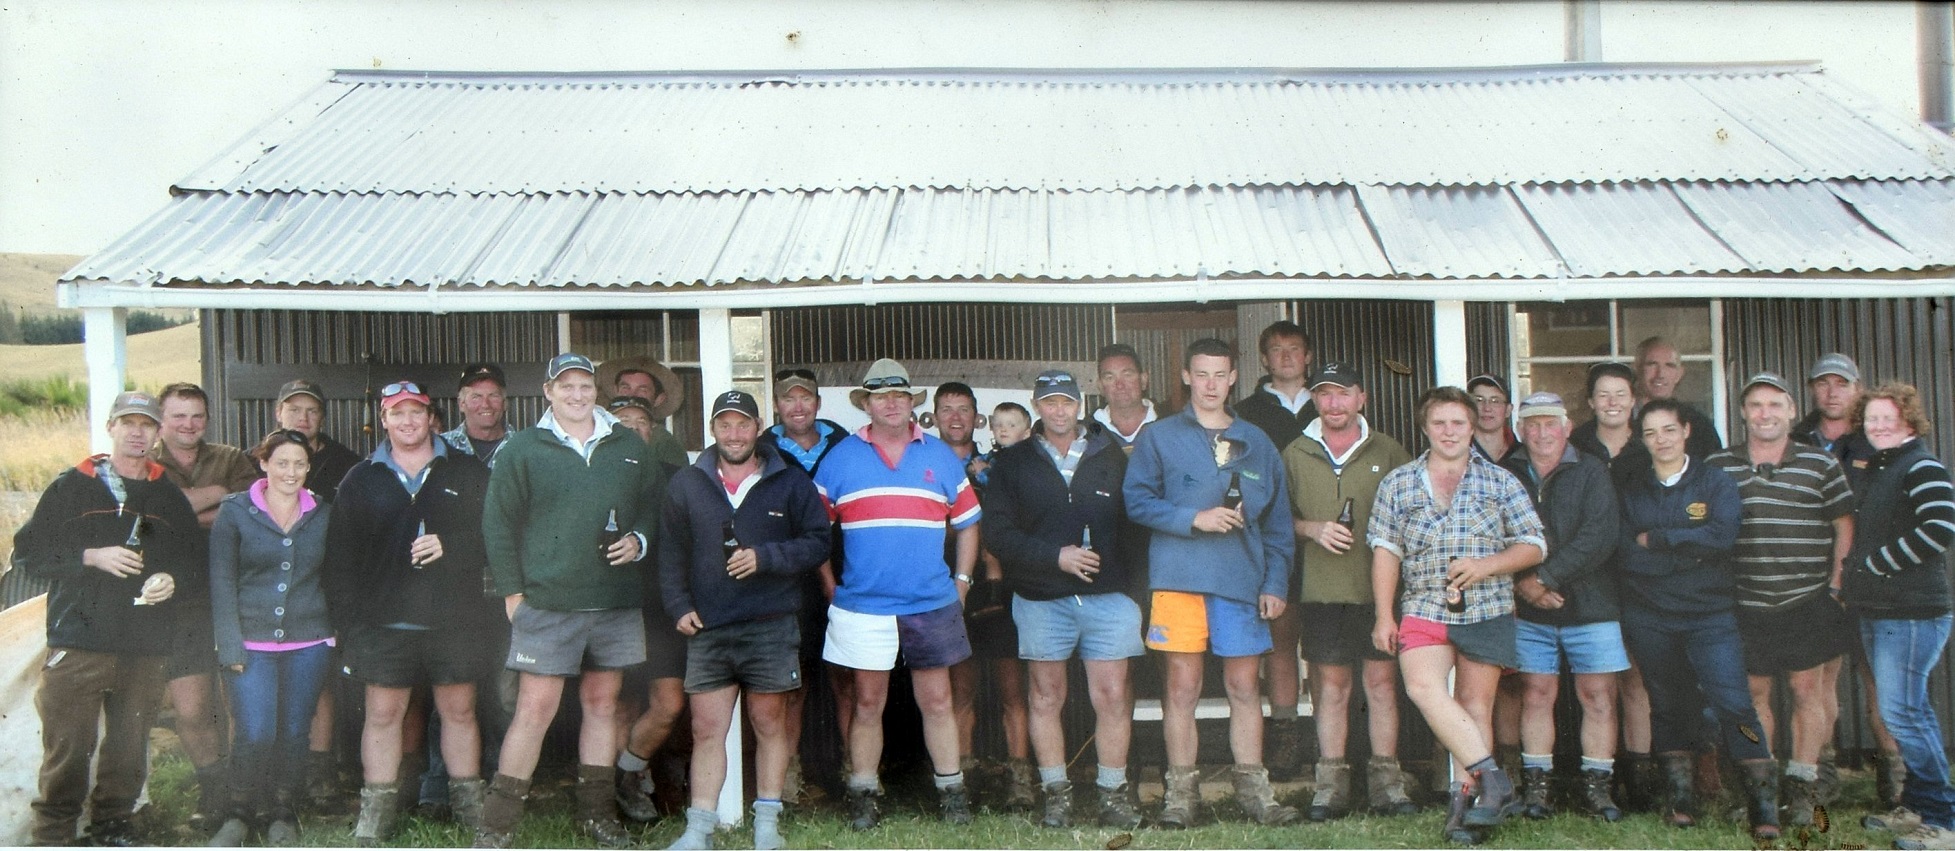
(1663, 571)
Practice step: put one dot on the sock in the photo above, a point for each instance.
(949, 781)
(766, 804)
(1606, 766)
(864, 783)
(1537, 760)
(1111, 778)
(1052, 774)
(1282, 713)
(628, 761)
(1806, 771)
(1485, 764)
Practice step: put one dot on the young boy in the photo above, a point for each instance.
(1010, 423)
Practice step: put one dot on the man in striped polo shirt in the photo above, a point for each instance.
(1797, 527)
(896, 493)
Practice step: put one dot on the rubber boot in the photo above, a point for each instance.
(767, 826)
(698, 836)
(1680, 798)
(1022, 783)
(1384, 783)
(1535, 803)
(1058, 811)
(597, 812)
(1332, 796)
(1258, 800)
(502, 811)
(1761, 779)
(1455, 831)
(379, 811)
(1631, 776)
(212, 790)
(465, 798)
(1596, 799)
(234, 833)
(1181, 794)
(1890, 774)
(1283, 751)
(1495, 801)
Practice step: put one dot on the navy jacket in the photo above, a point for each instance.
(1030, 514)
(369, 580)
(1577, 503)
(1693, 529)
(781, 519)
(266, 583)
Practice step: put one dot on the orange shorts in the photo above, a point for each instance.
(1187, 622)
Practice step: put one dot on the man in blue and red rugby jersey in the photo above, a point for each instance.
(896, 493)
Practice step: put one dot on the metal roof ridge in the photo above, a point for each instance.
(1166, 75)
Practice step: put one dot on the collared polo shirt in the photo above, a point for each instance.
(895, 520)
(1785, 543)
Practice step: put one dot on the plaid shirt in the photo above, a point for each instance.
(1490, 512)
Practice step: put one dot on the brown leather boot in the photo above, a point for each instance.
(597, 812)
(1181, 795)
(1258, 800)
(502, 811)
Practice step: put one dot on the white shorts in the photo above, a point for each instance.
(859, 641)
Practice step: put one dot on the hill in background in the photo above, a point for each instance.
(155, 359)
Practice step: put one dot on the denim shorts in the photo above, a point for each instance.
(865, 642)
(1591, 648)
(564, 644)
(1100, 627)
(1186, 622)
(762, 656)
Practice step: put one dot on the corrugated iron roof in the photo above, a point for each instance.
(548, 180)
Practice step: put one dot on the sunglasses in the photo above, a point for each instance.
(786, 374)
(896, 382)
(1062, 378)
(292, 436)
(398, 388)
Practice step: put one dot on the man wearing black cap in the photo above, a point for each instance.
(112, 535)
(572, 508)
(741, 528)
(1493, 433)
(302, 408)
(481, 398)
(1797, 527)
(1340, 459)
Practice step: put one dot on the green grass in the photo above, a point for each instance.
(910, 822)
(23, 396)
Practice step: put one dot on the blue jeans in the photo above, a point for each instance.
(1683, 656)
(271, 714)
(1901, 654)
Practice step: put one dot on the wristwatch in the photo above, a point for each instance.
(962, 577)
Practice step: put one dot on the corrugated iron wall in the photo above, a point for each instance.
(1891, 339)
(1378, 336)
(1038, 333)
(1488, 347)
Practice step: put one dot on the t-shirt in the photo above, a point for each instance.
(894, 522)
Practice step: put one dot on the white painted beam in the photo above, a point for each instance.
(105, 348)
(1449, 342)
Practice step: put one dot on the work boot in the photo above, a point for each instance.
(1022, 781)
(1058, 804)
(1534, 794)
(233, 834)
(1332, 797)
(955, 804)
(1680, 797)
(1761, 784)
(502, 811)
(1796, 800)
(698, 835)
(1495, 801)
(1181, 793)
(1455, 831)
(1897, 821)
(1257, 799)
(1595, 795)
(597, 812)
(1384, 783)
(379, 811)
(211, 792)
(1118, 808)
(1283, 752)
(1890, 774)
(465, 798)
(865, 808)
(1826, 788)
(634, 794)
(767, 826)
(1632, 775)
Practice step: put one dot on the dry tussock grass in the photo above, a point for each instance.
(33, 450)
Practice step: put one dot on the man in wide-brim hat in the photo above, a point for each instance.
(657, 384)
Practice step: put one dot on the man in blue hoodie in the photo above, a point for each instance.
(1211, 487)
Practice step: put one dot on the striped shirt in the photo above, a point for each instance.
(1490, 512)
(1931, 498)
(1785, 542)
(894, 521)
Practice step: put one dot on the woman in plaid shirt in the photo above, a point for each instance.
(1454, 526)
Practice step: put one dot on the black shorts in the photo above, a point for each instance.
(1338, 633)
(193, 644)
(1804, 635)
(404, 658)
(755, 655)
(665, 647)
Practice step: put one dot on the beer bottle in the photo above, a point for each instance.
(420, 531)
(134, 544)
(610, 535)
(1344, 518)
(729, 542)
(1232, 498)
(1086, 538)
(1455, 597)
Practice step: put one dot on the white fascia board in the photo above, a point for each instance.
(74, 294)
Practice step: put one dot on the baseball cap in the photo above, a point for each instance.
(619, 403)
(1056, 382)
(1542, 404)
(301, 387)
(1769, 379)
(788, 379)
(1340, 373)
(401, 391)
(1478, 380)
(478, 371)
(1834, 363)
(135, 402)
(567, 361)
(737, 402)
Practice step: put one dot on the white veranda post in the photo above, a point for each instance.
(716, 377)
(105, 338)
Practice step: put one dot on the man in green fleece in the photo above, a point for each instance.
(572, 508)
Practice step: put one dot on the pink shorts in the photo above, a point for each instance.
(1489, 642)
(1414, 633)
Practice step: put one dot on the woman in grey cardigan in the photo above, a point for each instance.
(266, 550)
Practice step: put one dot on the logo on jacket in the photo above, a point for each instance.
(1697, 510)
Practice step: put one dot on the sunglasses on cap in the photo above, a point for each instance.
(400, 387)
(291, 435)
(786, 374)
(896, 382)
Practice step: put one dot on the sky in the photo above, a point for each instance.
(104, 103)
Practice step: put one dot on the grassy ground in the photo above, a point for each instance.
(910, 822)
